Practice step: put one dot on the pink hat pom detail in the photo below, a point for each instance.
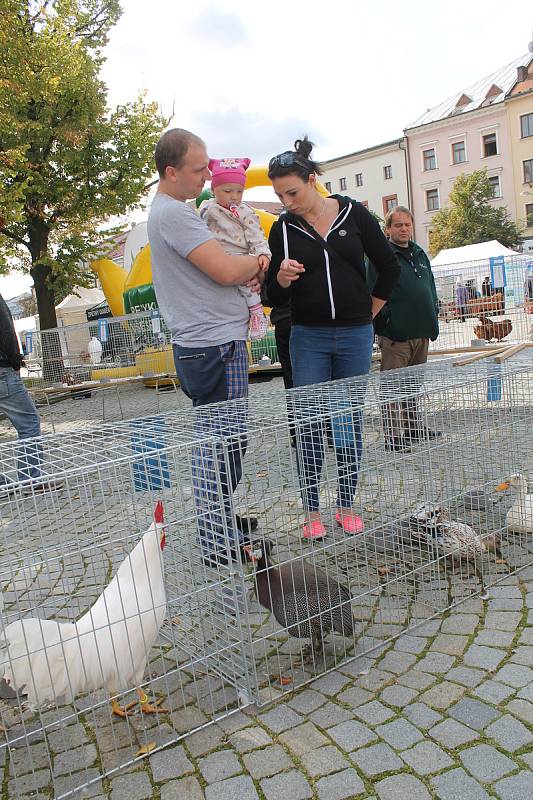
(228, 170)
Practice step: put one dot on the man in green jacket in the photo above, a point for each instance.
(404, 326)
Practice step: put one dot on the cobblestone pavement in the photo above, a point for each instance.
(445, 711)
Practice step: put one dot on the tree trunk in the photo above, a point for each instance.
(53, 367)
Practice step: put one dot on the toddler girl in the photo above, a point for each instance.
(237, 227)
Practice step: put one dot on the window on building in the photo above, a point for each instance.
(526, 125)
(358, 178)
(528, 170)
(342, 184)
(458, 152)
(389, 202)
(328, 186)
(529, 215)
(432, 200)
(430, 161)
(387, 172)
(490, 145)
(494, 181)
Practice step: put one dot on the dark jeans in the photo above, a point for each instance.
(320, 354)
(209, 375)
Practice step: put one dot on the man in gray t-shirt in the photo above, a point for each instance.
(196, 284)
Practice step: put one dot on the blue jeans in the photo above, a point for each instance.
(320, 354)
(209, 376)
(19, 408)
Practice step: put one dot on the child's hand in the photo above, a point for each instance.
(263, 262)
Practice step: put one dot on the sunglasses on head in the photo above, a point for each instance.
(286, 159)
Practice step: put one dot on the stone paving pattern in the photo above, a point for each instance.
(444, 711)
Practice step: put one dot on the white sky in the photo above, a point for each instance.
(251, 77)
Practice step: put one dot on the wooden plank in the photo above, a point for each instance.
(510, 351)
(461, 362)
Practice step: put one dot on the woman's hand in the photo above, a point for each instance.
(289, 271)
(377, 305)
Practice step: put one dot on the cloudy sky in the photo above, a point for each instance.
(251, 77)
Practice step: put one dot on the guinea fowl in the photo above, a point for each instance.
(304, 599)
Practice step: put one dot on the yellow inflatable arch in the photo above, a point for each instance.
(115, 280)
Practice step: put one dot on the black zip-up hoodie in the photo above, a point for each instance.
(10, 355)
(332, 292)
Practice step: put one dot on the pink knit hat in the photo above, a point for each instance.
(228, 170)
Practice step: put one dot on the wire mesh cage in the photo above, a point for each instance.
(135, 345)
(250, 616)
(87, 615)
(490, 300)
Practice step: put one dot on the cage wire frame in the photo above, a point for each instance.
(218, 648)
(132, 346)
(505, 303)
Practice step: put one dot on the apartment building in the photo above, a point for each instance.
(376, 176)
(467, 132)
(519, 106)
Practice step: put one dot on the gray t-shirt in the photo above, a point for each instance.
(198, 311)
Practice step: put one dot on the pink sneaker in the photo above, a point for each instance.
(314, 529)
(258, 323)
(350, 522)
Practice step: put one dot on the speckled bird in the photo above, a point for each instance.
(457, 540)
(304, 599)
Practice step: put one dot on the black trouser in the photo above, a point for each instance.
(282, 332)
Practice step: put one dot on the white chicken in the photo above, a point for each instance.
(107, 648)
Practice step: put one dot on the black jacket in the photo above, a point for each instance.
(10, 355)
(412, 309)
(332, 291)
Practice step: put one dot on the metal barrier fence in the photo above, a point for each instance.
(230, 628)
(483, 303)
(135, 345)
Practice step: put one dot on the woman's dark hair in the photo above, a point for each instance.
(295, 162)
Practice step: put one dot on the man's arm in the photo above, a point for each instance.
(227, 270)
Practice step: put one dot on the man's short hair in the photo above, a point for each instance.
(172, 148)
(397, 210)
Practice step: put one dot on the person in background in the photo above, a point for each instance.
(486, 287)
(19, 408)
(318, 248)
(461, 298)
(405, 326)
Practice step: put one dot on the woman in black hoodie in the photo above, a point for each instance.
(318, 249)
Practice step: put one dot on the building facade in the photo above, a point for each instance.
(468, 132)
(376, 176)
(519, 106)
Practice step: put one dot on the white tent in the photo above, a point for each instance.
(471, 252)
(71, 310)
(25, 324)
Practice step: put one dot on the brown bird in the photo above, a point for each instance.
(304, 599)
(490, 329)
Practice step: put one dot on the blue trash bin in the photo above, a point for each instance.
(150, 472)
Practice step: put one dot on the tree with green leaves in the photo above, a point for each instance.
(67, 163)
(471, 217)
